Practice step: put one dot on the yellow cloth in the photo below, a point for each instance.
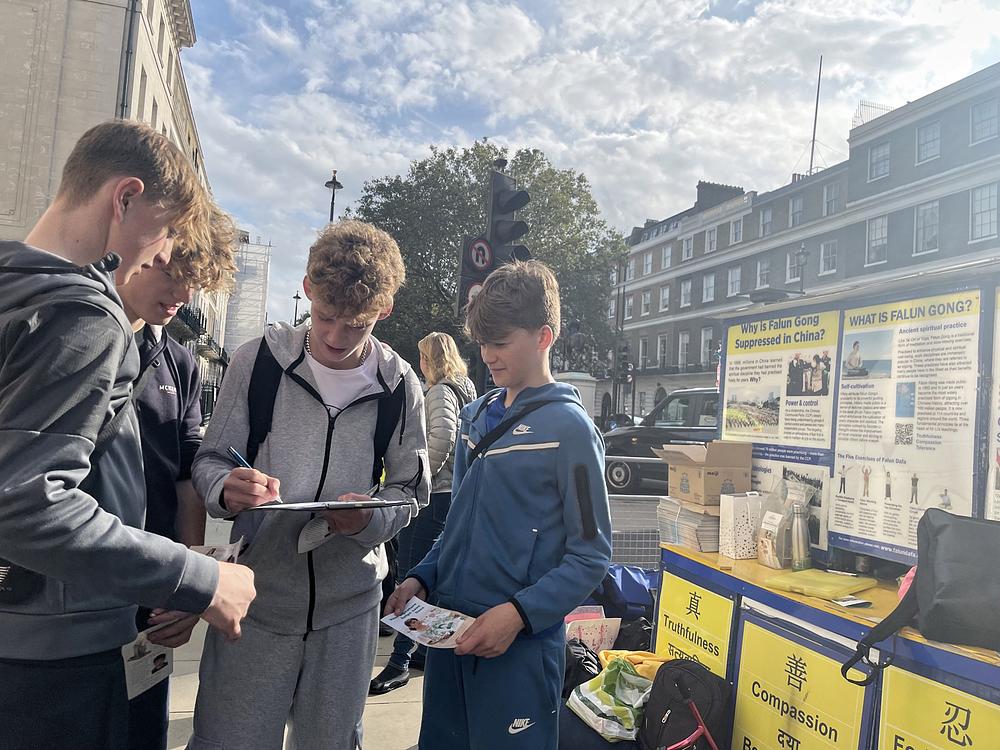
(645, 663)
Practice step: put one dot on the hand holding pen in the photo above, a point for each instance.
(246, 487)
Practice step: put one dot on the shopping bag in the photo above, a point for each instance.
(612, 703)
(738, 518)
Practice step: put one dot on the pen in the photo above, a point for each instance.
(238, 458)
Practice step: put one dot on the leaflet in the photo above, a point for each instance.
(429, 625)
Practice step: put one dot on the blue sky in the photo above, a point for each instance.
(645, 97)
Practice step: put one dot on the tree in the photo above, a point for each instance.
(443, 198)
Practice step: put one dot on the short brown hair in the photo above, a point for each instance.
(126, 148)
(516, 295)
(212, 267)
(355, 268)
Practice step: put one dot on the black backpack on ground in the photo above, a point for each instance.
(635, 635)
(668, 719)
(582, 665)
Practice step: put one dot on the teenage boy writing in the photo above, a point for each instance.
(73, 498)
(528, 535)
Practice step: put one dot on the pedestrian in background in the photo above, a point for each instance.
(448, 390)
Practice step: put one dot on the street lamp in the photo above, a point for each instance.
(295, 317)
(801, 256)
(333, 185)
(777, 294)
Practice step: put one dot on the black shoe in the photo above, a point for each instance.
(384, 630)
(417, 664)
(388, 679)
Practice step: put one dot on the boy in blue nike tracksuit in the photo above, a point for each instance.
(528, 535)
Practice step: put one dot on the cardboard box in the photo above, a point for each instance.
(701, 472)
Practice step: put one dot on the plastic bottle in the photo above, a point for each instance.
(801, 559)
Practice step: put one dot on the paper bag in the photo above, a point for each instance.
(739, 516)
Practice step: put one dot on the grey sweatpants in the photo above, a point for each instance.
(249, 689)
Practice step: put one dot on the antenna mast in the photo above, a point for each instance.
(812, 150)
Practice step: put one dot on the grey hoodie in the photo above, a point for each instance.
(442, 407)
(67, 361)
(316, 457)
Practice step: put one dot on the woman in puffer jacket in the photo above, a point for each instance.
(448, 390)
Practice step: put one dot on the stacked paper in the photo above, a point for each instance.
(688, 524)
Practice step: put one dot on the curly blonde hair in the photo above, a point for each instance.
(442, 358)
(209, 267)
(355, 268)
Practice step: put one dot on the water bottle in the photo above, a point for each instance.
(800, 537)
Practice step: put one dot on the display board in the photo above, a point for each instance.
(694, 623)
(906, 418)
(790, 694)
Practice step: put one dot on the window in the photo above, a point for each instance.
(159, 40)
(142, 93)
(675, 411)
(630, 270)
(828, 257)
(687, 248)
(664, 298)
(710, 240)
(683, 340)
(984, 212)
(612, 308)
(735, 286)
(831, 198)
(766, 223)
(984, 120)
(647, 264)
(665, 257)
(643, 353)
(646, 295)
(878, 161)
(686, 293)
(170, 70)
(792, 270)
(763, 273)
(153, 114)
(795, 211)
(706, 345)
(736, 231)
(928, 142)
(878, 241)
(628, 307)
(709, 415)
(708, 287)
(614, 276)
(925, 232)
(661, 349)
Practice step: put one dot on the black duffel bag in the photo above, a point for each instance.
(955, 595)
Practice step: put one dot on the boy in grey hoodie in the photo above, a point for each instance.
(308, 643)
(73, 499)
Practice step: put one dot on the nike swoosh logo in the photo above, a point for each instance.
(521, 429)
(515, 730)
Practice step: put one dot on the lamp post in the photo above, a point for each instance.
(333, 185)
(295, 317)
(801, 256)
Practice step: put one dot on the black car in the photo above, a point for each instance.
(690, 415)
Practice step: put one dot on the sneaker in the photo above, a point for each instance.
(417, 663)
(388, 679)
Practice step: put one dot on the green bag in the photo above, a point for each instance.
(612, 703)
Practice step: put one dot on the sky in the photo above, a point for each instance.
(645, 97)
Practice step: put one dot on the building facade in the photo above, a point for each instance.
(247, 312)
(918, 192)
(71, 64)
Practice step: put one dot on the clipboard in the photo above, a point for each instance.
(330, 505)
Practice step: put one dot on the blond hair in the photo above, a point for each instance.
(355, 268)
(516, 295)
(126, 148)
(212, 267)
(442, 358)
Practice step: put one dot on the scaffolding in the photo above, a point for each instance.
(247, 311)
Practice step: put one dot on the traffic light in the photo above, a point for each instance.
(474, 265)
(502, 229)
(625, 372)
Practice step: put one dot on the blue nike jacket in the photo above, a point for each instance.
(529, 520)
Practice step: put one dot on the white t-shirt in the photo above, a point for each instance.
(340, 388)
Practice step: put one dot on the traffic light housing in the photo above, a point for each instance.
(625, 372)
(476, 262)
(502, 229)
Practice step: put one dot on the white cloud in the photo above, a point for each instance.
(644, 97)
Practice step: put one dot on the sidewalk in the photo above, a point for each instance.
(392, 721)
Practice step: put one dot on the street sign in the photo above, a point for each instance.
(479, 254)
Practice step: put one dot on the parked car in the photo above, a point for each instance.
(690, 415)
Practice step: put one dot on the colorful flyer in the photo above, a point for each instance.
(694, 623)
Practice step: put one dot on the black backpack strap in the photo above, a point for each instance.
(462, 398)
(390, 408)
(497, 432)
(896, 620)
(264, 381)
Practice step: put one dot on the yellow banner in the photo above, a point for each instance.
(913, 311)
(789, 697)
(809, 330)
(919, 714)
(693, 623)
